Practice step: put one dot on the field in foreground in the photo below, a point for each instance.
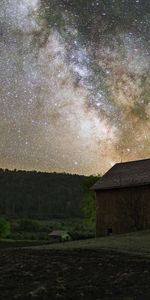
(76, 274)
(137, 243)
(110, 268)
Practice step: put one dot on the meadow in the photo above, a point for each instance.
(137, 243)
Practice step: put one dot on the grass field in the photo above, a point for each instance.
(135, 243)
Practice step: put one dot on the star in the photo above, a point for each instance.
(75, 84)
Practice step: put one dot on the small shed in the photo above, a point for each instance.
(60, 236)
(123, 198)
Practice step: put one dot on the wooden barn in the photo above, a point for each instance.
(123, 198)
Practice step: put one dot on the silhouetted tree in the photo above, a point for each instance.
(89, 209)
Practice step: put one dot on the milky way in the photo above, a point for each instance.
(75, 81)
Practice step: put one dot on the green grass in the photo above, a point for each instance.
(9, 243)
(134, 243)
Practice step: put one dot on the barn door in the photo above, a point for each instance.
(109, 231)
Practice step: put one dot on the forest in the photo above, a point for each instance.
(42, 196)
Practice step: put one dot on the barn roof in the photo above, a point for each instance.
(125, 174)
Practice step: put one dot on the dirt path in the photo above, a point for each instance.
(79, 274)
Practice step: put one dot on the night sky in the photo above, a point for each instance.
(75, 84)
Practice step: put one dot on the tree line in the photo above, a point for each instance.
(31, 194)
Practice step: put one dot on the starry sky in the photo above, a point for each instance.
(75, 84)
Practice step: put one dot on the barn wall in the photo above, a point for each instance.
(122, 210)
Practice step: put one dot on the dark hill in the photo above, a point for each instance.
(40, 195)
